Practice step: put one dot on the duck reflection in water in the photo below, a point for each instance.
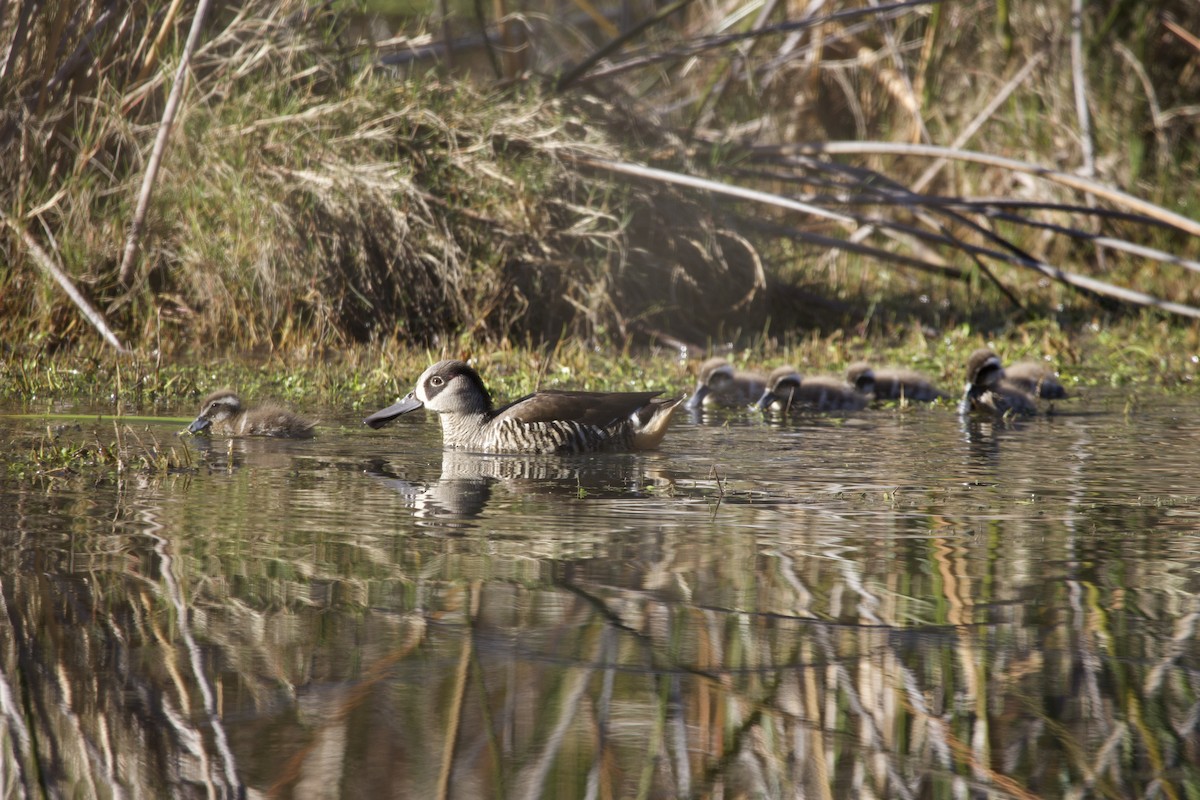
(468, 480)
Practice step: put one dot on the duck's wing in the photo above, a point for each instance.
(590, 408)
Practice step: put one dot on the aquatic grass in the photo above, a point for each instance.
(58, 454)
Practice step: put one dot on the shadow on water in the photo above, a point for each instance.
(892, 603)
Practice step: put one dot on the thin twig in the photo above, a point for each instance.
(983, 116)
(700, 45)
(1079, 79)
(963, 137)
(160, 145)
(1054, 176)
(44, 261)
(568, 80)
(716, 187)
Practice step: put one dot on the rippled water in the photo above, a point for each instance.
(888, 603)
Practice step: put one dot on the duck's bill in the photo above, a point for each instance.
(697, 399)
(766, 401)
(199, 425)
(403, 406)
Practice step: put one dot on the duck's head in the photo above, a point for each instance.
(984, 369)
(861, 377)
(448, 387)
(714, 376)
(217, 407)
(782, 384)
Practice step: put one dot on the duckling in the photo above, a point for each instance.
(542, 422)
(787, 390)
(988, 390)
(1037, 379)
(892, 384)
(222, 413)
(719, 384)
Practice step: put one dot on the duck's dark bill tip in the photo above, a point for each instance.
(381, 418)
(199, 425)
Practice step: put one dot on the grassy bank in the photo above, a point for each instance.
(1137, 353)
(312, 201)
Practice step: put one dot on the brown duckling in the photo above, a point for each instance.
(892, 383)
(222, 414)
(988, 391)
(787, 390)
(1037, 379)
(542, 422)
(719, 384)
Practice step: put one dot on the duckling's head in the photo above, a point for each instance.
(782, 384)
(219, 406)
(984, 368)
(448, 387)
(714, 376)
(861, 377)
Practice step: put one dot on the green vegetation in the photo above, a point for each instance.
(57, 454)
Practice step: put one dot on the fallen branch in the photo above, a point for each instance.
(1054, 176)
(1015, 255)
(44, 261)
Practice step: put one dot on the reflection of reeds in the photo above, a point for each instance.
(781, 652)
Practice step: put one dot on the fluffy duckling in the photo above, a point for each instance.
(1037, 379)
(222, 414)
(542, 422)
(892, 383)
(719, 384)
(988, 391)
(787, 390)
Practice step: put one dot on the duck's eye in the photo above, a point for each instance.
(436, 380)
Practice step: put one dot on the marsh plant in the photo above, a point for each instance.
(690, 173)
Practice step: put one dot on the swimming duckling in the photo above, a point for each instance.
(1037, 379)
(542, 422)
(222, 413)
(719, 384)
(892, 383)
(787, 390)
(988, 391)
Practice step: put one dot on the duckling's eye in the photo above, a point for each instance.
(436, 380)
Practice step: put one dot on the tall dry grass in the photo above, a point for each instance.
(317, 192)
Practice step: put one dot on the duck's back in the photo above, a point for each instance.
(1036, 379)
(570, 422)
(827, 393)
(589, 408)
(894, 384)
(272, 420)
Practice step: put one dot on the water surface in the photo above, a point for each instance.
(889, 603)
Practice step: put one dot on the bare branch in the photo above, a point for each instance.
(44, 261)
